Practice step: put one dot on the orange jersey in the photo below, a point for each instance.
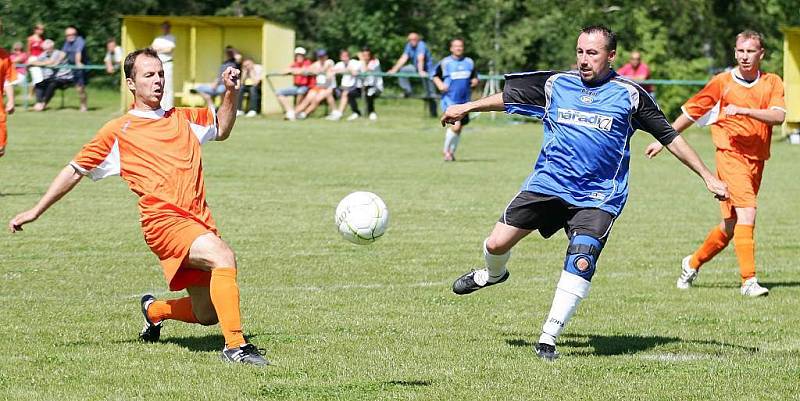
(158, 154)
(7, 74)
(741, 134)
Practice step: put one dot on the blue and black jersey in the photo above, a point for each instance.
(587, 130)
(456, 73)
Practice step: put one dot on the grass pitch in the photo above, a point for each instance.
(348, 322)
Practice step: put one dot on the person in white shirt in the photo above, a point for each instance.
(371, 85)
(164, 45)
(113, 55)
(349, 68)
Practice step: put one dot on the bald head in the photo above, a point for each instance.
(413, 38)
(635, 59)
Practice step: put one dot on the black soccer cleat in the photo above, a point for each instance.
(546, 351)
(467, 284)
(151, 332)
(247, 354)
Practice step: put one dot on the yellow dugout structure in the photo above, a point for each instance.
(791, 77)
(200, 46)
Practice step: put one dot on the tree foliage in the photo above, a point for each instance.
(679, 39)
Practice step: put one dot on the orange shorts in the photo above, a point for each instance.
(3, 130)
(743, 177)
(170, 238)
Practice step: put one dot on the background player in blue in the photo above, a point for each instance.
(580, 180)
(455, 77)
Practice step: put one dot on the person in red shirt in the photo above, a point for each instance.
(19, 56)
(741, 106)
(301, 84)
(35, 41)
(636, 70)
(157, 153)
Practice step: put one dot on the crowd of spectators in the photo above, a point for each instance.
(316, 82)
(44, 68)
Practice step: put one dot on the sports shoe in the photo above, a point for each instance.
(475, 280)
(301, 116)
(251, 113)
(239, 113)
(247, 354)
(448, 157)
(290, 116)
(354, 116)
(335, 115)
(546, 351)
(151, 332)
(687, 274)
(373, 116)
(750, 288)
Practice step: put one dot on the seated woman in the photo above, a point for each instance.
(323, 88)
(371, 85)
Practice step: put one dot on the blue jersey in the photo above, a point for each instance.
(587, 130)
(456, 74)
(414, 51)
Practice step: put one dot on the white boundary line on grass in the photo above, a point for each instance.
(312, 288)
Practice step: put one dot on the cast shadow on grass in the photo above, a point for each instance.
(623, 344)
(16, 194)
(768, 284)
(207, 343)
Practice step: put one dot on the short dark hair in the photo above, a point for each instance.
(457, 39)
(130, 60)
(750, 34)
(611, 37)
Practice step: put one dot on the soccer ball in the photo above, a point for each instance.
(362, 217)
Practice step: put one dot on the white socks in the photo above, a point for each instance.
(450, 141)
(495, 264)
(569, 292)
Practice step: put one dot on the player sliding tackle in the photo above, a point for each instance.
(157, 153)
(580, 180)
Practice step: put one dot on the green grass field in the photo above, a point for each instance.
(347, 322)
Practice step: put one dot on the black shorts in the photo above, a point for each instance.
(465, 120)
(548, 214)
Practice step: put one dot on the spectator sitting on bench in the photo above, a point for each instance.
(47, 61)
(299, 88)
(251, 86)
(371, 85)
(209, 92)
(324, 84)
(349, 68)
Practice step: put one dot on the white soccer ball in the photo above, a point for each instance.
(362, 217)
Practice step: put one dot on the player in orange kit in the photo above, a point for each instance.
(741, 106)
(158, 154)
(8, 74)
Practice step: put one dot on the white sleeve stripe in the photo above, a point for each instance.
(78, 168)
(686, 113)
(778, 108)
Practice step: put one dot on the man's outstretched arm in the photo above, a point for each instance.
(226, 115)
(683, 152)
(458, 111)
(61, 185)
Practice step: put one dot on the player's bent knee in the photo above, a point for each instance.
(207, 318)
(495, 247)
(582, 254)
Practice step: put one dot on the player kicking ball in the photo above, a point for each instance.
(580, 180)
(455, 77)
(741, 106)
(158, 154)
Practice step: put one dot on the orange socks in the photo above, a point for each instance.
(175, 309)
(225, 297)
(745, 250)
(715, 242)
